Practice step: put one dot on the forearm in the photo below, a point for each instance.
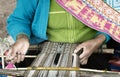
(99, 40)
(20, 19)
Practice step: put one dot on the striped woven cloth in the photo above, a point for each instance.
(115, 61)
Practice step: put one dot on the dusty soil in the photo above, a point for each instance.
(6, 8)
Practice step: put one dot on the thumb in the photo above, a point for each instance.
(78, 48)
(8, 54)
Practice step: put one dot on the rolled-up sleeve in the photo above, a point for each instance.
(19, 22)
(106, 35)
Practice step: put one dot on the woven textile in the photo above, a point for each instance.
(115, 61)
(95, 14)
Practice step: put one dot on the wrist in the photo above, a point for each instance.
(107, 37)
(22, 36)
(100, 38)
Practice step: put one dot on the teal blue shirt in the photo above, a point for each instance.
(30, 17)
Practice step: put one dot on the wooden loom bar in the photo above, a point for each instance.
(45, 61)
(20, 71)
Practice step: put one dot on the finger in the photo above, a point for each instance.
(17, 53)
(23, 52)
(18, 57)
(84, 58)
(8, 52)
(13, 54)
(8, 55)
(11, 60)
(83, 55)
(80, 52)
(22, 57)
(78, 48)
(84, 62)
(14, 60)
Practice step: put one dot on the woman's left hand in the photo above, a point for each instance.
(89, 47)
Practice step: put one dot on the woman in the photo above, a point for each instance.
(44, 20)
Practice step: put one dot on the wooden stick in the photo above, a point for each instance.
(109, 51)
(104, 50)
(27, 56)
(21, 71)
(3, 64)
(63, 68)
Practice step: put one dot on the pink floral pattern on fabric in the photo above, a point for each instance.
(85, 11)
(105, 9)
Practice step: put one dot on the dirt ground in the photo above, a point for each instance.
(6, 7)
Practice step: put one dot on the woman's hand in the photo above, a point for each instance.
(17, 52)
(89, 47)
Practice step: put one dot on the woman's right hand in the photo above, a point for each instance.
(17, 52)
